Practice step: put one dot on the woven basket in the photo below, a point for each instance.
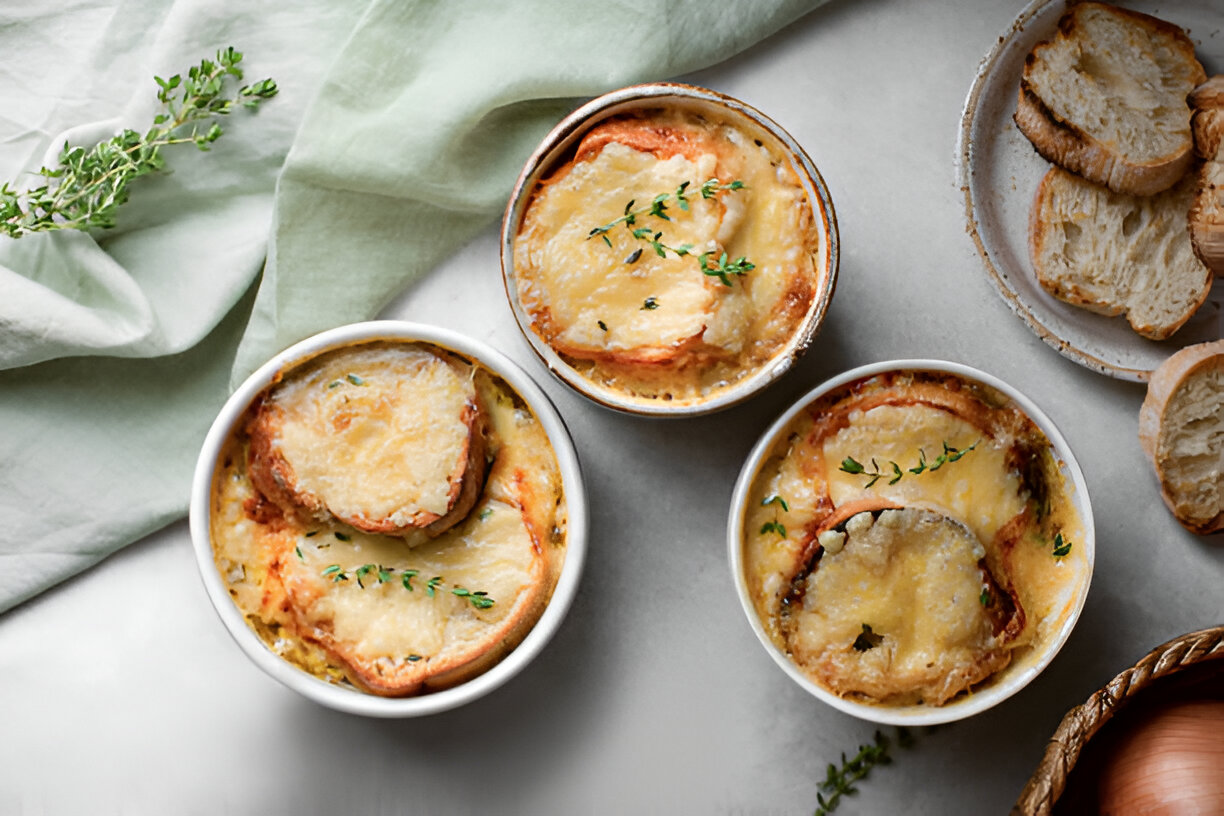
(1186, 667)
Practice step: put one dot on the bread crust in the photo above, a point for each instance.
(1207, 210)
(661, 139)
(839, 671)
(1073, 145)
(1156, 423)
(273, 475)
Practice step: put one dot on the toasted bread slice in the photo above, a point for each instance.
(1207, 209)
(918, 565)
(401, 621)
(1106, 98)
(1118, 254)
(613, 297)
(387, 439)
(1181, 429)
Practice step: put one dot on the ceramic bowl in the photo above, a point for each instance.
(1008, 680)
(558, 148)
(346, 698)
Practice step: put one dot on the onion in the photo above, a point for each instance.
(1169, 762)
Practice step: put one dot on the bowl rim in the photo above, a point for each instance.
(354, 701)
(979, 700)
(555, 145)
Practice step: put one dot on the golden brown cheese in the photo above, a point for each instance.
(412, 612)
(1004, 489)
(887, 566)
(643, 319)
(382, 438)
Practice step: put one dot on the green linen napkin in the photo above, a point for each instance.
(399, 131)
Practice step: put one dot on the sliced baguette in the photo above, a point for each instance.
(1118, 254)
(1106, 98)
(1207, 210)
(1181, 429)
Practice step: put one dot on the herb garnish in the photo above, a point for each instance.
(950, 454)
(649, 304)
(984, 598)
(839, 782)
(722, 267)
(775, 526)
(602, 325)
(867, 639)
(1062, 546)
(88, 186)
(479, 599)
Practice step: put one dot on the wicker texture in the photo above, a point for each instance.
(1080, 723)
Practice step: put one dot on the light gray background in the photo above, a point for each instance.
(121, 692)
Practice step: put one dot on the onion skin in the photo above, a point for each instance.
(1169, 762)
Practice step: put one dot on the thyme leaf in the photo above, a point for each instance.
(778, 500)
(773, 527)
(1062, 546)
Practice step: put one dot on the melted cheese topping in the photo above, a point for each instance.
(657, 327)
(983, 491)
(914, 575)
(376, 433)
(581, 282)
(492, 551)
(980, 488)
(284, 573)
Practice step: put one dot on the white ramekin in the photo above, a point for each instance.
(1010, 679)
(348, 699)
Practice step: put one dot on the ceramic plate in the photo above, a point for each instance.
(999, 171)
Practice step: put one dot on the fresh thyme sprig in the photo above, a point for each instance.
(721, 267)
(88, 186)
(775, 526)
(479, 599)
(658, 206)
(950, 454)
(1062, 546)
(839, 781)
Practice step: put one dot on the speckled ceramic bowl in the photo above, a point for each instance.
(558, 147)
(347, 698)
(1005, 682)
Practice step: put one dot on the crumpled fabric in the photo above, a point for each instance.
(397, 134)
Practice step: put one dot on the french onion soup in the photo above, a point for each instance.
(671, 254)
(389, 515)
(910, 538)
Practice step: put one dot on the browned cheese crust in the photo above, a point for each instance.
(274, 475)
